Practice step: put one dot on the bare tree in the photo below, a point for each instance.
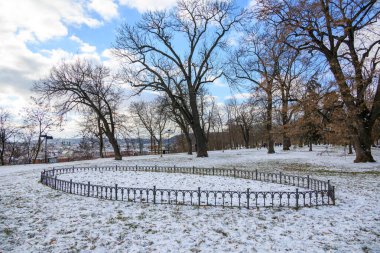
(179, 72)
(219, 125)
(245, 118)
(175, 115)
(39, 119)
(92, 128)
(292, 69)
(255, 65)
(7, 131)
(153, 118)
(344, 34)
(207, 112)
(83, 84)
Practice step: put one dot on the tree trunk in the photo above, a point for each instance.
(37, 149)
(246, 138)
(2, 154)
(101, 141)
(285, 142)
(269, 125)
(160, 145)
(200, 140)
(189, 144)
(115, 146)
(358, 113)
(230, 135)
(200, 137)
(362, 142)
(310, 146)
(245, 133)
(285, 119)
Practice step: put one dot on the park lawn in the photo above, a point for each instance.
(35, 218)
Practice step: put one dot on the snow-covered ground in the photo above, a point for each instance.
(35, 218)
(137, 179)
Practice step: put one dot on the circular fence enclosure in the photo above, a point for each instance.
(314, 192)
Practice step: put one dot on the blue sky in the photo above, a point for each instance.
(37, 34)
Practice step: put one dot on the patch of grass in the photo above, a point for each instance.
(131, 225)
(111, 221)
(141, 216)
(220, 231)
(120, 217)
(7, 231)
(151, 231)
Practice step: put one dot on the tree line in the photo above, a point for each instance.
(309, 70)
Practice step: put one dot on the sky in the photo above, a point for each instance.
(37, 34)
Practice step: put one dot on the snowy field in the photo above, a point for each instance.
(35, 218)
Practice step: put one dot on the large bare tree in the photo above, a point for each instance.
(83, 84)
(345, 33)
(254, 65)
(175, 52)
(293, 67)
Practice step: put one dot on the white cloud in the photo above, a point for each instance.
(84, 47)
(106, 8)
(219, 83)
(239, 96)
(22, 23)
(148, 5)
(43, 20)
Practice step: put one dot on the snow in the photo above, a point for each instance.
(35, 218)
(136, 179)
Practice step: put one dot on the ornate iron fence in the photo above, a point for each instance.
(314, 192)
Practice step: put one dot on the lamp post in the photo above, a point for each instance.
(47, 137)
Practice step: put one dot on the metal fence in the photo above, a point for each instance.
(313, 192)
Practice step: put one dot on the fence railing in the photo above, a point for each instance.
(314, 192)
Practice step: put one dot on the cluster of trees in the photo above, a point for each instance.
(310, 68)
(22, 138)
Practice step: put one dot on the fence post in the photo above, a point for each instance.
(88, 188)
(199, 196)
(116, 191)
(308, 181)
(213, 171)
(256, 174)
(193, 170)
(297, 196)
(174, 168)
(55, 182)
(280, 178)
(42, 177)
(333, 195)
(136, 167)
(154, 194)
(234, 172)
(247, 198)
(116, 167)
(155, 168)
(53, 171)
(71, 185)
